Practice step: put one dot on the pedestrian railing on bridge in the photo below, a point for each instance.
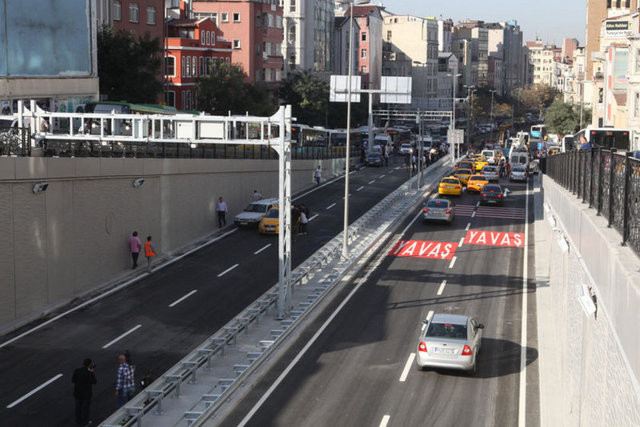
(609, 181)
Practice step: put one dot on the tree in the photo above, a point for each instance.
(226, 90)
(564, 119)
(538, 96)
(129, 67)
(308, 95)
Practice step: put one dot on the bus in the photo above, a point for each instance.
(608, 138)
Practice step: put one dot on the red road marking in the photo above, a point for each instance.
(494, 238)
(424, 249)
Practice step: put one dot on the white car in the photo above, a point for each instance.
(406, 149)
(450, 341)
(253, 213)
(518, 173)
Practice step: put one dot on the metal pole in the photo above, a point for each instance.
(453, 142)
(491, 114)
(345, 228)
(370, 124)
(419, 181)
(581, 102)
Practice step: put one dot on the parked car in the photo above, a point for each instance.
(450, 341)
(253, 213)
(439, 210)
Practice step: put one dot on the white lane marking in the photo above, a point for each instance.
(461, 242)
(441, 288)
(313, 339)
(120, 337)
(407, 366)
(330, 206)
(114, 290)
(349, 196)
(385, 421)
(478, 204)
(323, 185)
(473, 214)
(468, 226)
(313, 217)
(429, 316)
(381, 176)
(360, 188)
(262, 249)
(522, 406)
(228, 270)
(371, 182)
(179, 300)
(391, 171)
(35, 390)
(453, 262)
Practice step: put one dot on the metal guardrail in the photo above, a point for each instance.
(325, 267)
(609, 181)
(15, 142)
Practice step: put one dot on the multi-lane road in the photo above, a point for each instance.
(162, 317)
(360, 369)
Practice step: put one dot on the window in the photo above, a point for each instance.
(364, 36)
(236, 17)
(236, 44)
(188, 67)
(257, 75)
(364, 69)
(203, 38)
(268, 48)
(134, 12)
(292, 6)
(203, 66)
(170, 98)
(187, 105)
(363, 53)
(637, 60)
(151, 15)
(279, 21)
(636, 105)
(208, 37)
(117, 11)
(389, 35)
(225, 17)
(272, 22)
(170, 66)
(194, 68)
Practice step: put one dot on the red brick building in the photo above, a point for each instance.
(194, 46)
(254, 27)
(139, 17)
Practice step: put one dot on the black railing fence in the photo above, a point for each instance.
(609, 182)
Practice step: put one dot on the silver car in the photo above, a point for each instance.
(518, 173)
(491, 172)
(439, 210)
(450, 341)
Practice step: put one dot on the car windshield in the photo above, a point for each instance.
(438, 203)
(406, 145)
(463, 172)
(373, 155)
(491, 189)
(255, 207)
(450, 181)
(489, 169)
(447, 330)
(273, 213)
(518, 169)
(465, 165)
(478, 178)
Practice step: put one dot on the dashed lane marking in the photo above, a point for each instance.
(179, 300)
(467, 227)
(228, 270)
(372, 181)
(407, 366)
(441, 288)
(385, 421)
(121, 336)
(360, 188)
(429, 316)
(330, 206)
(264, 248)
(313, 217)
(453, 262)
(34, 391)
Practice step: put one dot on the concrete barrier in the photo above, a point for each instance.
(71, 239)
(589, 362)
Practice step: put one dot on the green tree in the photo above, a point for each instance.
(538, 96)
(308, 95)
(226, 90)
(129, 67)
(564, 119)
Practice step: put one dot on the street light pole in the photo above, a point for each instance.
(491, 114)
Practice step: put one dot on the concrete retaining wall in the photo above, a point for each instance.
(71, 239)
(590, 365)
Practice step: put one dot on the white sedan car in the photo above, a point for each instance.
(450, 341)
(406, 149)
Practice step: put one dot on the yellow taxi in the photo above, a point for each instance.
(270, 223)
(480, 162)
(553, 151)
(463, 175)
(476, 183)
(450, 186)
(465, 164)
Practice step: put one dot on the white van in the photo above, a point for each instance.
(490, 155)
(519, 158)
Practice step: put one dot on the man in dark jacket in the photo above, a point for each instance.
(83, 379)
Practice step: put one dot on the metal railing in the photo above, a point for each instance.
(15, 142)
(609, 182)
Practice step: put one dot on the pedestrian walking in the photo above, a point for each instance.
(134, 246)
(83, 380)
(318, 175)
(149, 252)
(386, 158)
(295, 220)
(303, 222)
(125, 382)
(256, 196)
(221, 209)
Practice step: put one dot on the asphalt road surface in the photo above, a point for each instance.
(360, 370)
(163, 317)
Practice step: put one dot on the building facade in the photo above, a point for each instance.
(445, 33)
(370, 21)
(255, 30)
(343, 47)
(194, 48)
(447, 72)
(505, 43)
(416, 39)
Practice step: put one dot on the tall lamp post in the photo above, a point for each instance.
(345, 229)
(470, 115)
(454, 88)
(491, 114)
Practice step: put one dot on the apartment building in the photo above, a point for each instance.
(478, 36)
(505, 43)
(255, 29)
(342, 47)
